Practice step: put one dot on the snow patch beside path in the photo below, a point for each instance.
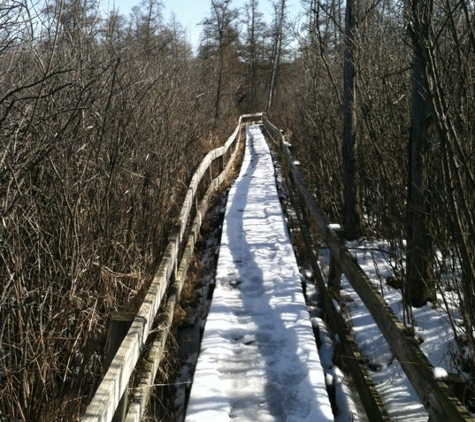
(258, 359)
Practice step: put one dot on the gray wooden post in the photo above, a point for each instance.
(334, 276)
(221, 164)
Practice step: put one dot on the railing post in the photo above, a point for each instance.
(336, 271)
(334, 276)
(221, 164)
(119, 325)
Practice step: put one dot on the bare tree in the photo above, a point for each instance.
(450, 54)
(254, 38)
(316, 122)
(220, 34)
(278, 28)
(351, 207)
(147, 25)
(420, 282)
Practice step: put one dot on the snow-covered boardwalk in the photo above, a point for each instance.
(258, 359)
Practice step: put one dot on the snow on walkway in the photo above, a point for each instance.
(258, 359)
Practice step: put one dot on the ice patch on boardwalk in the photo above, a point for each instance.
(258, 359)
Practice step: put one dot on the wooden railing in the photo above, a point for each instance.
(116, 380)
(438, 399)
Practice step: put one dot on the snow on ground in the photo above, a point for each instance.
(431, 326)
(258, 359)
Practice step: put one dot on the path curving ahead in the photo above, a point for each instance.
(258, 359)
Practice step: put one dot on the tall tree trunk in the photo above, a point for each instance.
(277, 51)
(351, 208)
(219, 83)
(420, 283)
(252, 16)
(219, 27)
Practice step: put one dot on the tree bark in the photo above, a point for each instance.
(277, 51)
(351, 208)
(252, 16)
(420, 282)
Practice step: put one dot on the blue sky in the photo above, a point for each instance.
(190, 12)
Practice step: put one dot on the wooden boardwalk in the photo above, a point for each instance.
(258, 360)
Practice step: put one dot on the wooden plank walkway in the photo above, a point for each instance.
(258, 360)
